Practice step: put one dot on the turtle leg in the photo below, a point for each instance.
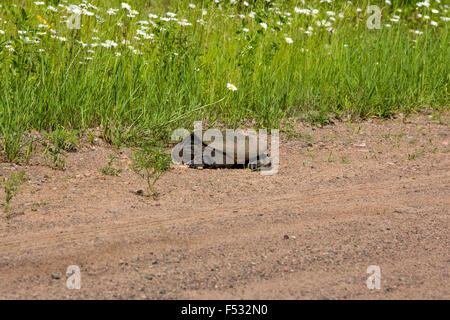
(195, 161)
(253, 164)
(260, 161)
(264, 160)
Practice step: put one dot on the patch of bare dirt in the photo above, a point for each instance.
(347, 196)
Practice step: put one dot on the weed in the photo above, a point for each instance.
(358, 130)
(12, 145)
(11, 186)
(399, 135)
(150, 163)
(37, 205)
(91, 137)
(332, 136)
(317, 117)
(345, 160)
(57, 143)
(108, 169)
(291, 133)
(29, 151)
(416, 154)
(311, 154)
(330, 157)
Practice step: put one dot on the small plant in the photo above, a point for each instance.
(57, 143)
(416, 154)
(108, 169)
(12, 144)
(29, 151)
(63, 139)
(331, 136)
(358, 130)
(345, 160)
(291, 133)
(91, 137)
(55, 160)
(399, 135)
(311, 154)
(330, 157)
(113, 134)
(150, 163)
(11, 186)
(317, 117)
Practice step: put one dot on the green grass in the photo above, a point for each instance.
(181, 75)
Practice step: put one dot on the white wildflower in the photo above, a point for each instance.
(231, 87)
(289, 40)
(112, 11)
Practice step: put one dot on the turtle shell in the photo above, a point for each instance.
(218, 152)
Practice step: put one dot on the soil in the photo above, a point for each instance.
(347, 196)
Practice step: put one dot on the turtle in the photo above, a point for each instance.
(210, 150)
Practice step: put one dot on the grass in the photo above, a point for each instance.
(166, 75)
(330, 157)
(416, 154)
(56, 144)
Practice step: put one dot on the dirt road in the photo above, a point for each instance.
(347, 196)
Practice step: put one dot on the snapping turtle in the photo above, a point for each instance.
(222, 149)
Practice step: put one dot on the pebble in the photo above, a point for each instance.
(56, 276)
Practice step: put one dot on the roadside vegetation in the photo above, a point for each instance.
(139, 69)
(11, 186)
